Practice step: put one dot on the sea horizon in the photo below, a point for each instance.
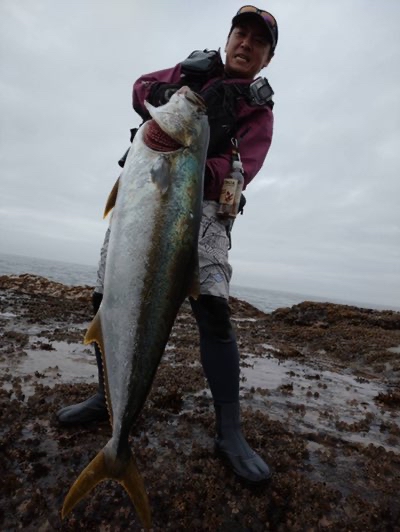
(76, 274)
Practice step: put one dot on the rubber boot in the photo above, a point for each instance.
(232, 447)
(94, 408)
(220, 361)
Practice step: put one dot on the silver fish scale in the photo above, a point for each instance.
(152, 245)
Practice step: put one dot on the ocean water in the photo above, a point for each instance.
(67, 273)
(61, 272)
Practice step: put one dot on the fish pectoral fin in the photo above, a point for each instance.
(112, 198)
(104, 467)
(161, 175)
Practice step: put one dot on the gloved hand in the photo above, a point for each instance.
(161, 93)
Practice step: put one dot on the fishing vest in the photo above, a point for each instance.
(221, 98)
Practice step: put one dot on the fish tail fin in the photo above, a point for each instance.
(94, 473)
(103, 467)
(133, 483)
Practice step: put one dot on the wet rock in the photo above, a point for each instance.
(335, 479)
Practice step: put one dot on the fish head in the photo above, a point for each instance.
(183, 118)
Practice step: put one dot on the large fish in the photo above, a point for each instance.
(152, 265)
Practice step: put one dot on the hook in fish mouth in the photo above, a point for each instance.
(194, 98)
(197, 100)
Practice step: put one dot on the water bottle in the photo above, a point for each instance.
(231, 191)
(238, 170)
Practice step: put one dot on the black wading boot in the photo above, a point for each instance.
(220, 361)
(232, 447)
(94, 408)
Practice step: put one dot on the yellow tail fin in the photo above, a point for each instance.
(102, 467)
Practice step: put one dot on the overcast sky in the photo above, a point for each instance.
(323, 215)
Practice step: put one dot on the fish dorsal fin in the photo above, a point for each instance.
(112, 198)
(160, 174)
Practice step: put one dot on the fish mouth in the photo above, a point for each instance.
(163, 132)
(156, 139)
(194, 98)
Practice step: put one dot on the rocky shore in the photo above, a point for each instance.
(320, 391)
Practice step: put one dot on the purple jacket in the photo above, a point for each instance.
(255, 123)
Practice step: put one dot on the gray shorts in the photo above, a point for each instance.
(215, 270)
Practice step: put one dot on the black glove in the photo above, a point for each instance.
(121, 162)
(160, 93)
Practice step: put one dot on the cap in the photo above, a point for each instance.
(267, 20)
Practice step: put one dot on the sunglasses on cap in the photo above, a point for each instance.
(268, 19)
(264, 14)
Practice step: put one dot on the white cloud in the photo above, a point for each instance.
(322, 214)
